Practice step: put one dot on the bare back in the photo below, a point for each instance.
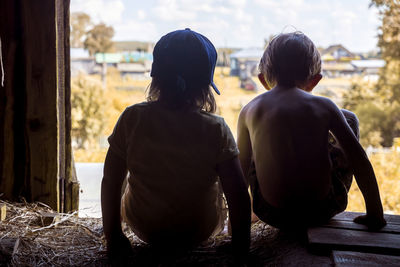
(288, 131)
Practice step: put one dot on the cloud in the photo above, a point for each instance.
(141, 14)
(326, 22)
(240, 23)
(107, 11)
(137, 30)
(172, 10)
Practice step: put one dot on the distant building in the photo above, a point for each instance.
(134, 64)
(224, 54)
(369, 69)
(336, 61)
(337, 53)
(133, 46)
(81, 62)
(244, 63)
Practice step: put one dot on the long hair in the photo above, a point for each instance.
(176, 93)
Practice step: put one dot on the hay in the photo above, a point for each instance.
(74, 241)
(70, 241)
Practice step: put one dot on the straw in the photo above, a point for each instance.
(74, 241)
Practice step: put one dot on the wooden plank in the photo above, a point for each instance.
(323, 238)
(349, 216)
(69, 186)
(10, 40)
(358, 259)
(61, 63)
(389, 228)
(34, 150)
(41, 122)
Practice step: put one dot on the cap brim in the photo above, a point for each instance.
(215, 88)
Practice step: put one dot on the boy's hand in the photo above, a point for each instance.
(119, 248)
(372, 222)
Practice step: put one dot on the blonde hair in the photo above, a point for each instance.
(290, 59)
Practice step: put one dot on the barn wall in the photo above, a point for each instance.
(35, 153)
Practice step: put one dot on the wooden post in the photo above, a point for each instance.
(9, 38)
(41, 100)
(68, 183)
(35, 118)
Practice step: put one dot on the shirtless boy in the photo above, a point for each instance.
(283, 141)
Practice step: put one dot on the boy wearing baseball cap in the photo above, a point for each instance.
(174, 149)
(292, 143)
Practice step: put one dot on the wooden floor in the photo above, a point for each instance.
(362, 259)
(353, 244)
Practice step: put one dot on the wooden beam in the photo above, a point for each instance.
(358, 259)
(35, 112)
(389, 228)
(341, 233)
(321, 238)
(41, 100)
(10, 41)
(68, 185)
(349, 216)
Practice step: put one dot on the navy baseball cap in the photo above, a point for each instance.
(186, 54)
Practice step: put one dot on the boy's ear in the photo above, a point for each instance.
(263, 81)
(313, 82)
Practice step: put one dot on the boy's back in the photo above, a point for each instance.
(289, 131)
(283, 141)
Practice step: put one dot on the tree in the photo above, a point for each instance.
(80, 23)
(99, 39)
(89, 104)
(378, 105)
(388, 86)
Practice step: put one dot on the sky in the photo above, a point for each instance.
(240, 23)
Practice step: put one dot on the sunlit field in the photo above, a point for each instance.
(121, 93)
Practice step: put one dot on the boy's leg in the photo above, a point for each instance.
(342, 175)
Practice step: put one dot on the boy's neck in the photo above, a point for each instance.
(286, 87)
(290, 87)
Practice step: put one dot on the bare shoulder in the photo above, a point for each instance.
(325, 103)
(252, 105)
(328, 103)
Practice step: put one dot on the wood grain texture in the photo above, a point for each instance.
(41, 100)
(69, 186)
(359, 259)
(349, 216)
(323, 238)
(10, 41)
(389, 228)
(35, 111)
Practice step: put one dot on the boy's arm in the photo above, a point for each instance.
(235, 190)
(361, 167)
(244, 144)
(115, 171)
